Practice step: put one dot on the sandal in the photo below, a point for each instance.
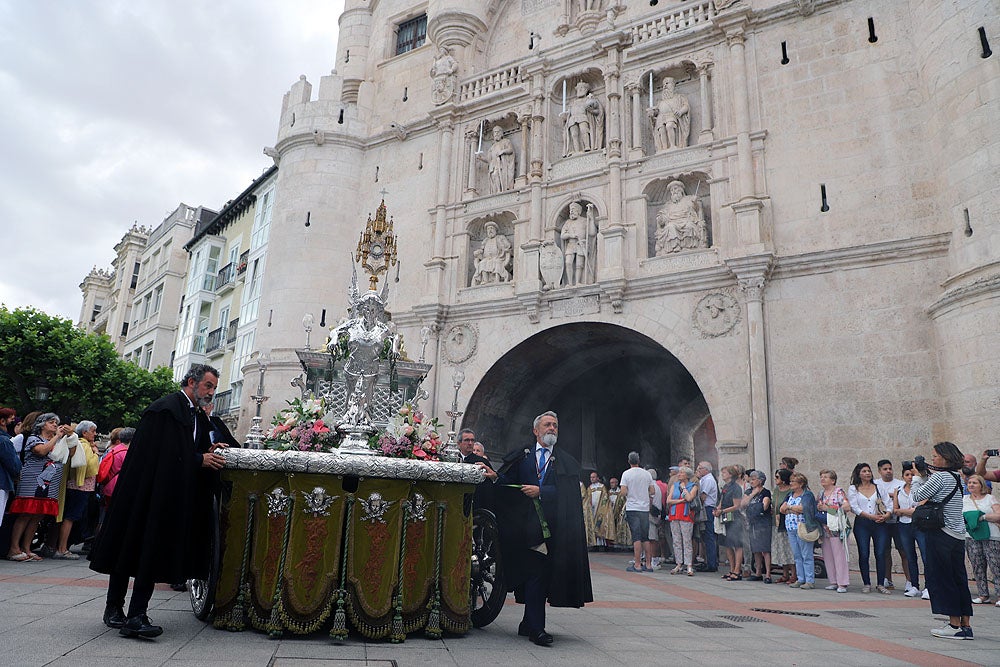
(677, 570)
(34, 557)
(19, 558)
(782, 580)
(738, 577)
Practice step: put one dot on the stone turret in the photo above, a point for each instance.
(352, 47)
(455, 23)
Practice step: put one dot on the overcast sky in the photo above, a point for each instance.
(115, 111)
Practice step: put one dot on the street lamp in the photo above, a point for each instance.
(255, 437)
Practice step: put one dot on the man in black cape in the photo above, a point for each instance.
(158, 528)
(544, 544)
(484, 492)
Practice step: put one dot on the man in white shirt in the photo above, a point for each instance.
(637, 485)
(887, 486)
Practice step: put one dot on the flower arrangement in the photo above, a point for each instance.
(410, 434)
(300, 427)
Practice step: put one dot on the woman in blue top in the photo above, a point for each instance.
(800, 507)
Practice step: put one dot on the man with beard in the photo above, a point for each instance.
(158, 526)
(542, 534)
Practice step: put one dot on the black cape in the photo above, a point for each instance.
(520, 528)
(483, 496)
(159, 522)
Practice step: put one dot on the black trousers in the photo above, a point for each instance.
(142, 591)
(536, 589)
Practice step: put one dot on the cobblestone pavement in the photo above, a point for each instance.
(52, 616)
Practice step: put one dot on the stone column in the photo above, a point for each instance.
(444, 169)
(524, 118)
(472, 139)
(706, 104)
(635, 91)
(753, 288)
(741, 103)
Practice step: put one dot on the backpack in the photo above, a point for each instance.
(104, 471)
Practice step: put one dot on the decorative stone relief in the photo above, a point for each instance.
(550, 265)
(671, 118)
(501, 161)
(493, 259)
(579, 245)
(444, 73)
(583, 122)
(753, 287)
(680, 224)
(460, 343)
(716, 314)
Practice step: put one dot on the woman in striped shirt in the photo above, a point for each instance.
(947, 579)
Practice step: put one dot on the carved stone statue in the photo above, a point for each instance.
(671, 118)
(501, 161)
(589, 5)
(493, 258)
(583, 122)
(579, 243)
(365, 334)
(444, 72)
(680, 225)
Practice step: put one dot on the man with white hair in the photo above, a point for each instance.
(542, 535)
(709, 497)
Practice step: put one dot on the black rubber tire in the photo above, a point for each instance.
(202, 591)
(487, 590)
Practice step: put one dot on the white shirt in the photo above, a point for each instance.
(885, 490)
(638, 481)
(861, 503)
(710, 488)
(538, 455)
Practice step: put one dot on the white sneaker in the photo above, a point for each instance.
(912, 592)
(841, 589)
(924, 595)
(949, 632)
(831, 587)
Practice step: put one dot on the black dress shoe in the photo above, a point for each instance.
(541, 638)
(114, 617)
(140, 626)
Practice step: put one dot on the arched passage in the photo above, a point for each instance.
(615, 390)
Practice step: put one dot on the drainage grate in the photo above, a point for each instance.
(852, 614)
(782, 611)
(744, 619)
(714, 624)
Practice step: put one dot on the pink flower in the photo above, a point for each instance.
(419, 453)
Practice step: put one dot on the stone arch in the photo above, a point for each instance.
(695, 182)
(557, 369)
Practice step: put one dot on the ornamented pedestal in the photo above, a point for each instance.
(382, 545)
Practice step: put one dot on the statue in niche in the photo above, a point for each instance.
(493, 258)
(444, 73)
(579, 243)
(501, 161)
(583, 122)
(590, 5)
(671, 118)
(680, 225)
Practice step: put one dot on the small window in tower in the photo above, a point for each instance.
(411, 34)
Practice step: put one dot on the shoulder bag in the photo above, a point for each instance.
(930, 515)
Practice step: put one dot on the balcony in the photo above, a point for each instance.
(231, 332)
(213, 343)
(223, 402)
(241, 265)
(224, 281)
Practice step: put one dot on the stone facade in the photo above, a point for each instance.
(841, 304)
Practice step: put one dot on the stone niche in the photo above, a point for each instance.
(687, 82)
(674, 220)
(587, 103)
(490, 260)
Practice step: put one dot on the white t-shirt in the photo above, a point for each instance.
(885, 490)
(710, 488)
(638, 481)
(984, 505)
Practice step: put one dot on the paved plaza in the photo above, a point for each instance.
(52, 616)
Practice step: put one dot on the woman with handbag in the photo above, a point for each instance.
(869, 525)
(834, 502)
(803, 529)
(983, 541)
(947, 579)
(681, 516)
(757, 505)
(730, 496)
(903, 506)
(781, 551)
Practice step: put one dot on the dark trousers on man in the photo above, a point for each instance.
(142, 591)
(536, 589)
(708, 537)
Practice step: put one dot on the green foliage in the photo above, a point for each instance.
(85, 377)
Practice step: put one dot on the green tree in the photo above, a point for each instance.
(82, 375)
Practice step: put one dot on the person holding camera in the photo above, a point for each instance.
(947, 579)
(992, 475)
